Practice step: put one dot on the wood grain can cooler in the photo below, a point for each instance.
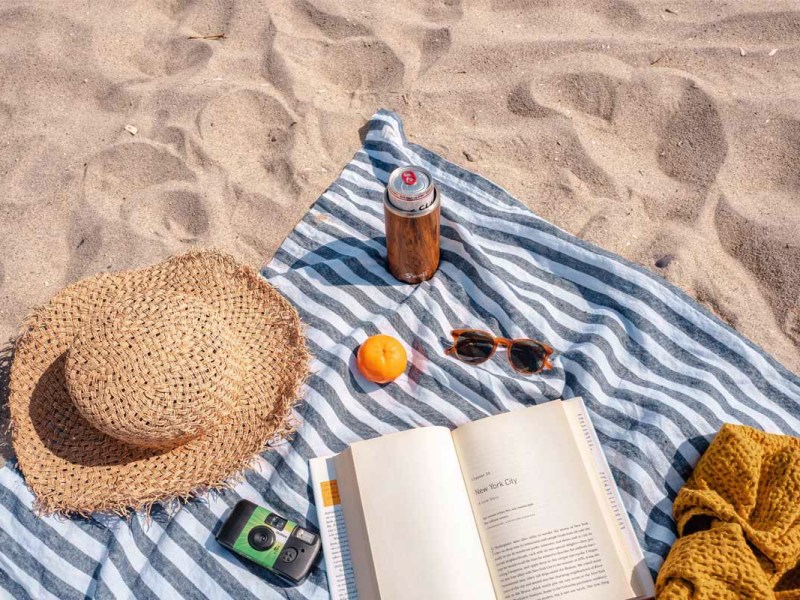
(411, 208)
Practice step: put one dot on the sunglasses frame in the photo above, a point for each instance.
(506, 343)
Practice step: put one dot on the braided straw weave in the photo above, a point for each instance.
(138, 387)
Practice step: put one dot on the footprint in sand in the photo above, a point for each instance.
(332, 25)
(30, 28)
(664, 123)
(137, 194)
(438, 11)
(345, 24)
(119, 172)
(356, 64)
(760, 179)
(171, 56)
(273, 67)
(336, 50)
(204, 18)
(434, 44)
(620, 14)
(256, 236)
(150, 40)
(763, 237)
(120, 97)
(176, 214)
(591, 93)
(765, 155)
(522, 103)
(185, 214)
(692, 147)
(582, 86)
(675, 121)
(249, 134)
(582, 92)
(742, 29)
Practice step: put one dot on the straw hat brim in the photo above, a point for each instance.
(74, 468)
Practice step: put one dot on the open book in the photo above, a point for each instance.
(517, 505)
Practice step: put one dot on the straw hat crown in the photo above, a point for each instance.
(155, 370)
(142, 386)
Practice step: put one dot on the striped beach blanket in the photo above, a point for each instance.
(658, 373)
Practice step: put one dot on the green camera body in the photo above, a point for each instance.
(270, 540)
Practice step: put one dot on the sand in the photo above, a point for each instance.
(668, 132)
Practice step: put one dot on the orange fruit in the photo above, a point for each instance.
(382, 358)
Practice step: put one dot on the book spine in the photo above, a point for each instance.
(335, 546)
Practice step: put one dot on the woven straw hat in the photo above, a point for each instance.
(142, 386)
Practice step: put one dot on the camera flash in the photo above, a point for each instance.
(305, 536)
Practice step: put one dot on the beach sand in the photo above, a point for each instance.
(667, 132)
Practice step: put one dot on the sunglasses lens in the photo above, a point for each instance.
(474, 347)
(526, 356)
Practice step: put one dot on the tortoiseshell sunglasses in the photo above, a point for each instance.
(474, 346)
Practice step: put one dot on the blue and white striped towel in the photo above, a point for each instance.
(658, 373)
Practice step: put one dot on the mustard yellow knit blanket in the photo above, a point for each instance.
(738, 521)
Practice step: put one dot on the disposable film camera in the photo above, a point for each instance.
(270, 540)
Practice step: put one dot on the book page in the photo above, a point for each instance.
(543, 530)
(606, 487)
(335, 546)
(408, 517)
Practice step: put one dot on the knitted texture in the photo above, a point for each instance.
(738, 519)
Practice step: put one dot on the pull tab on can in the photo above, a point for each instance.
(408, 177)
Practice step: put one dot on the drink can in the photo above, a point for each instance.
(411, 190)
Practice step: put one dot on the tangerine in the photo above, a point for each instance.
(381, 358)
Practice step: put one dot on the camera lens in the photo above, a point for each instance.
(261, 538)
